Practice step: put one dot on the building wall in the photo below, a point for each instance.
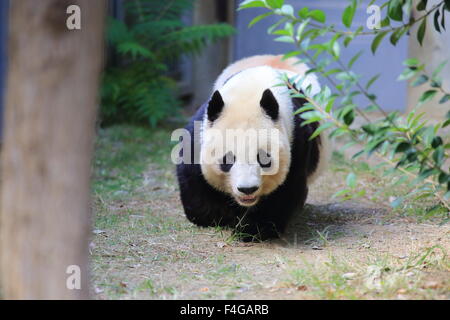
(435, 49)
(391, 94)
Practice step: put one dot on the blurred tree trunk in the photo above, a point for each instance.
(48, 140)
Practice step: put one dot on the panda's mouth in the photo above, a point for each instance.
(247, 200)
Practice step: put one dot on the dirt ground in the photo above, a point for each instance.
(143, 246)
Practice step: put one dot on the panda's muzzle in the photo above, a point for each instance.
(248, 198)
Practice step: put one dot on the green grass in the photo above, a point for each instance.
(375, 185)
(378, 276)
(122, 155)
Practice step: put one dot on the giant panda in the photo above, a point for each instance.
(229, 189)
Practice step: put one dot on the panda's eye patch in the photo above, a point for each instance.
(227, 162)
(264, 159)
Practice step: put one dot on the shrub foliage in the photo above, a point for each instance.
(408, 144)
(154, 36)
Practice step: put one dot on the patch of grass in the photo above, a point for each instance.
(377, 276)
(123, 153)
(390, 191)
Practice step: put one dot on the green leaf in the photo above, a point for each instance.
(303, 12)
(353, 60)
(407, 74)
(422, 5)
(402, 147)
(395, 10)
(421, 31)
(438, 69)
(288, 10)
(411, 62)
(419, 80)
(301, 28)
(436, 21)
(443, 17)
(443, 178)
(340, 193)
(307, 107)
(438, 155)
(348, 14)
(335, 49)
(371, 81)
(317, 15)
(427, 96)
(286, 39)
(445, 98)
(377, 40)
(386, 22)
(252, 4)
(291, 54)
(320, 129)
(398, 34)
(437, 141)
(351, 180)
(275, 4)
(259, 18)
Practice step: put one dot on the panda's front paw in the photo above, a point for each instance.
(257, 233)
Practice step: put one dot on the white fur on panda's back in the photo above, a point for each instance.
(241, 78)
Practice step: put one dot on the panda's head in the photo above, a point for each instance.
(246, 135)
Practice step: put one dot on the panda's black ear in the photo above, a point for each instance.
(215, 106)
(269, 104)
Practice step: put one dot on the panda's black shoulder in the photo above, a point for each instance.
(305, 148)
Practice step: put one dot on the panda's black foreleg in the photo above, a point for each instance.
(254, 231)
(269, 220)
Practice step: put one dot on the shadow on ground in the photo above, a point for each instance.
(317, 224)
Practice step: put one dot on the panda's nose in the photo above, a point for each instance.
(248, 190)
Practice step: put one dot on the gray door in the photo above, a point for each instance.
(391, 94)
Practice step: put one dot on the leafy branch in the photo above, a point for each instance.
(408, 145)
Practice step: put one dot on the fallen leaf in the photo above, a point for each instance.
(302, 288)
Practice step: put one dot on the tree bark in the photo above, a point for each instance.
(51, 105)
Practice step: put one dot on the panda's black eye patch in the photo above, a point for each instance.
(264, 159)
(227, 162)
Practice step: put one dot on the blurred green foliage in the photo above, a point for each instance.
(152, 38)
